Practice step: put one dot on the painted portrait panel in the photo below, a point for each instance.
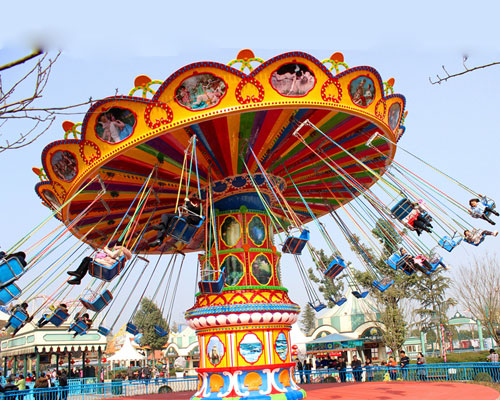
(362, 91)
(115, 125)
(261, 269)
(230, 231)
(293, 80)
(51, 198)
(64, 165)
(200, 92)
(215, 350)
(234, 270)
(394, 113)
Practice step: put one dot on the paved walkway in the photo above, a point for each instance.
(374, 391)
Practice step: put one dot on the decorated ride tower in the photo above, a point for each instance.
(252, 144)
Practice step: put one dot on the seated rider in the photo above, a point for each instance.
(479, 209)
(22, 308)
(107, 257)
(406, 262)
(191, 213)
(19, 255)
(476, 236)
(46, 317)
(84, 318)
(418, 219)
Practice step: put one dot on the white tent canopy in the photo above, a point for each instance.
(127, 352)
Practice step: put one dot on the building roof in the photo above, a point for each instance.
(127, 352)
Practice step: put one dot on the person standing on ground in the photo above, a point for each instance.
(300, 369)
(493, 358)
(369, 369)
(404, 360)
(392, 364)
(63, 385)
(307, 370)
(422, 373)
(356, 368)
(341, 367)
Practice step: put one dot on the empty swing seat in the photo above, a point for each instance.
(295, 245)
(58, 317)
(103, 330)
(449, 243)
(79, 327)
(9, 293)
(104, 272)
(359, 295)
(402, 209)
(216, 286)
(99, 303)
(18, 319)
(394, 261)
(131, 328)
(160, 331)
(11, 268)
(384, 284)
(317, 307)
(181, 230)
(335, 267)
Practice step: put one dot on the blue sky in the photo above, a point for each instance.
(105, 45)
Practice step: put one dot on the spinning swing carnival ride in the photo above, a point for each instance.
(267, 152)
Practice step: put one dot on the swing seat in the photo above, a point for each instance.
(490, 203)
(317, 307)
(207, 287)
(395, 261)
(105, 273)
(295, 245)
(181, 230)
(335, 267)
(9, 293)
(160, 331)
(58, 317)
(408, 271)
(79, 327)
(103, 330)
(18, 319)
(402, 209)
(131, 328)
(449, 243)
(339, 302)
(99, 303)
(383, 285)
(359, 295)
(11, 269)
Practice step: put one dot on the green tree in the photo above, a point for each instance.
(330, 288)
(145, 319)
(308, 319)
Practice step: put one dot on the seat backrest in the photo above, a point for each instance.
(402, 209)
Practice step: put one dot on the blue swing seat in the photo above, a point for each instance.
(449, 243)
(394, 261)
(131, 328)
(490, 203)
(335, 267)
(105, 273)
(384, 284)
(9, 293)
(18, 319)
(401, 210)
(11, 268)
(295, 245)
(207, 287)
(79, 327)
(408, 271)
(160, 331)
(338, 302)
(181, 230)
(317, 307)
(103, 330)
(58, 317)
(359, 295)
(99, 303)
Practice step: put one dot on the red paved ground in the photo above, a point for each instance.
(375, 391)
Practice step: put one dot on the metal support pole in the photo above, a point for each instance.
(99, 367)
(25, 366)
(14, 366)
(37, 366)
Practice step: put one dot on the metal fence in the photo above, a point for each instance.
(460, 372)
(88, 389)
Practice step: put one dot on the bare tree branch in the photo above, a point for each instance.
(467, 70)
(34, 54)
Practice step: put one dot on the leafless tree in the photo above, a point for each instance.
(478, 291)
(465, 71)
(17, 106)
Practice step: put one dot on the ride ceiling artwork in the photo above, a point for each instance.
(243, 123)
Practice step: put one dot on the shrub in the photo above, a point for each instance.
(483, 377)
(470, 356)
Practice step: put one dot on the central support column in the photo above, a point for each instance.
(243, 331)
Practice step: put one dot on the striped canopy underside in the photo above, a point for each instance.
(223, 148)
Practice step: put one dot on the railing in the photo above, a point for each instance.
(80, 389)
(461, 372)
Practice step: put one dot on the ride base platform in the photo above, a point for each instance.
(372, 391)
